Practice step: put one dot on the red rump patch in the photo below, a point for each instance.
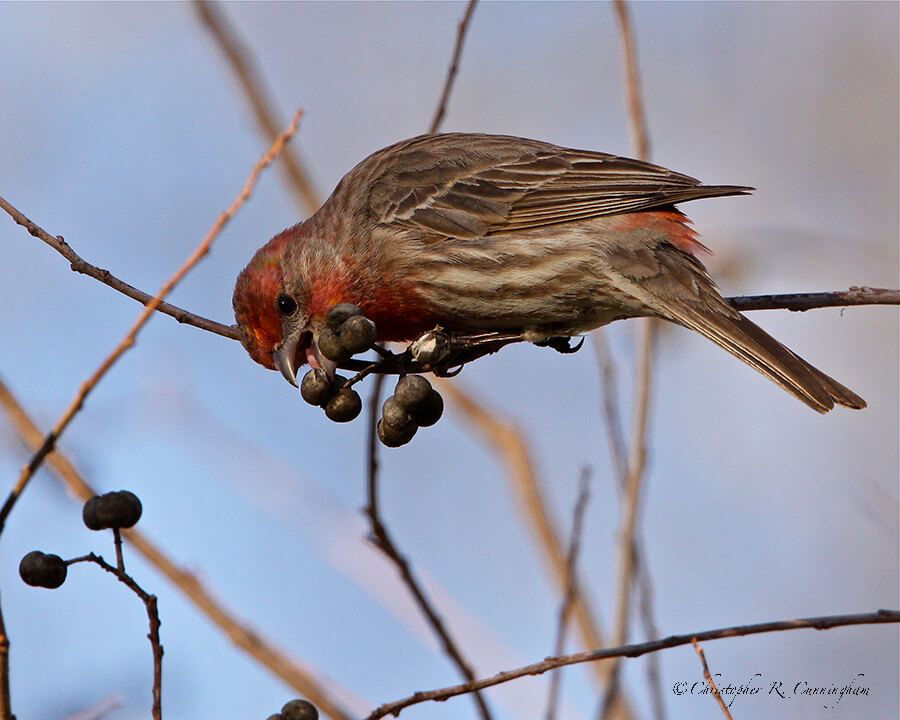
(672, 225)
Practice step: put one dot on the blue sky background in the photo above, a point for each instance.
(122, 130)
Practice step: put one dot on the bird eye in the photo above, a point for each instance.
(286, 305)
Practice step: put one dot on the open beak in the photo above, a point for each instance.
(297, 350)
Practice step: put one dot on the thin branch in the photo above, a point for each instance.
(636, 650)
(636, 113)
(627, 551)
(800, 302)
(709, 679)
(461, 31)
(243, 66)
(513, 449)
(131, 336)
(5, 697)
(150, 603)
(106, 277)
(626, 546)
(569, 595)
(618, 453)
(381, 538)
(257, 646)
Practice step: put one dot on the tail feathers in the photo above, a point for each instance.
(749, 342)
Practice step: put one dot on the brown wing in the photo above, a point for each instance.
(469, 186)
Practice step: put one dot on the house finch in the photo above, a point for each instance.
(478, 233)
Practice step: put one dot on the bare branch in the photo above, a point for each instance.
(150, 604)
(512, 448)
(244, 69)
(636, 650)
(709, 679)
(569, 595)
(381, 538)
(106, 277)
(131, 336)
(264, 651)
(627, 552)
(461, 31)
(800, 302)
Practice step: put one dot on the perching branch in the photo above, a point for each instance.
(825, 622)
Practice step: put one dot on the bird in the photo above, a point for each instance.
(479, 233)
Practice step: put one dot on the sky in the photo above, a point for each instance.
(123, 130)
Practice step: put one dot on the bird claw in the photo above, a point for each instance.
(562, 344)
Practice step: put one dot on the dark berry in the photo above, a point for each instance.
(344, 406)
(339, 314)
(430, 412)
(357, 334)
(392, 437)
(395, 416)
(331, 347)
(412, 392)
(315, 387)
(43, 570)
(299, 710)
(120, 509)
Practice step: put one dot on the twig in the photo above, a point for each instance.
(513, 449)
(152, 615)
(131, 336)
(618, 452)
(461, 30)
(244, 69)
(242, 635)
(801, 302)
(637, 116)
(627, 551)
(636, 650)
(625, 548)
(709, 679)
(381, 538)
(5, 697)
(106, 277)
(569, 595)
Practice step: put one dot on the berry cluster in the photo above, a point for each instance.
(414, 404)
(113, 510)
(341, 404)
(40, 569)
(119, 509)
(296, 710)
(347, 332)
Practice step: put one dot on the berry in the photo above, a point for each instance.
(330, 346)
(430, 412)
(395, 416)
(299, 710)
(339, 314)
(392, 437)
(357, 334)
(344, 406)
(315, 387)
(412, 392)
(43, 570)
(120, 509)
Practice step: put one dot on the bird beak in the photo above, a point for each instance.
(298, 349)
